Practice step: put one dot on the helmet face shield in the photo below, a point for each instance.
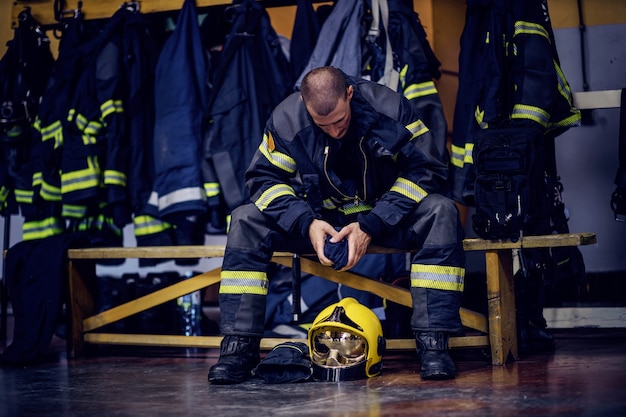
(337, 347)
(346, 342)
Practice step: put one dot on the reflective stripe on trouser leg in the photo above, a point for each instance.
(244, 282)
(438, 267)
(435, 308)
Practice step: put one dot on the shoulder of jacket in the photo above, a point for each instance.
(290, 117)
(382, 98)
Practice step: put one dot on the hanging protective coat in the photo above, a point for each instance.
(339, 43)
(418, 67)
(181, 93)
(24, 72)
(499, 38)
(251, 80)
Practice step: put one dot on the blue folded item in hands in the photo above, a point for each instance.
(336, 252)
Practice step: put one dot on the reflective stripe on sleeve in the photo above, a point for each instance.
(409, 189)
(278, 159)
(417, 128)
(420, 90)
(272, 194)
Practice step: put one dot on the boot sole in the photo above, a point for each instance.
(226, 378)
(437, 375)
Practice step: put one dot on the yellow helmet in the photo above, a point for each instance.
(346, 342)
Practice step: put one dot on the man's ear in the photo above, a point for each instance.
(350, 91)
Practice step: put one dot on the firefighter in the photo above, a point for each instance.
(343, 160)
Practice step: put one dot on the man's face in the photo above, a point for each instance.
(336, 123)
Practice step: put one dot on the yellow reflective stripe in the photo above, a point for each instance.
(88, 139)
(416, 128)
(147, 225)
(53, 131)
(438, 277)
(479, 115)
(328, 204)
(563, 86)
(112, 177)
(77, 118)
(529, 28)
(460, 156)
(212, 189)
(403, 72)
(573, 120)
(82, 179)
(74, 211)
(352, 208)
(110, 107)
(409, 189)
(420, 90)
(49, 192)
(278, 159)
(40, 229)
(93, 128)
(4, 194)
(21, 196)
(37, 178)
(527, 112)
(244, 282)
(273, 193)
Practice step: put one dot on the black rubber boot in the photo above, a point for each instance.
(432, 349)
(239, 355)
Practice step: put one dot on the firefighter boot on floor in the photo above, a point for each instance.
(432, 349)
(239, 355)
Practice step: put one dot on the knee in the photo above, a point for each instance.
(444, 220)
(245, 221)
(441, 209)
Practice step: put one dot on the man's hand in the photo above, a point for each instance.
(358, 242)
(317, 234)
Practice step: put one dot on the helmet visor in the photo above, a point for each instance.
(337, 347)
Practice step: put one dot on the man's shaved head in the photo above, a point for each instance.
(322, 88)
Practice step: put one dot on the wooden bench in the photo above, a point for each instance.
(497, 330)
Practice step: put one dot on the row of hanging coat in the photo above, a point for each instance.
(156, 127)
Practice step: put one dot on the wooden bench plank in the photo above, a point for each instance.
(216, 251)
(529, 242)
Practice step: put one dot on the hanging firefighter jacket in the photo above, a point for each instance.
(181, 93)
(24, 72)
(416, 63)
(95, 156)
(306, 29)
(339, 43)
(81, 123)
(140, 55)
(503, 38)
(398, 55)
(251, 80)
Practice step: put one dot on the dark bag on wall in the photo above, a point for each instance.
(509, 188)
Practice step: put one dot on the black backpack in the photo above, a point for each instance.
(510, 192)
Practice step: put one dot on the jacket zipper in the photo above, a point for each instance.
(356, 198)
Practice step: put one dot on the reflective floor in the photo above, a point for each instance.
(586, 376)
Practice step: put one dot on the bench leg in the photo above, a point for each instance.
(81, 303)
(501, 303)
